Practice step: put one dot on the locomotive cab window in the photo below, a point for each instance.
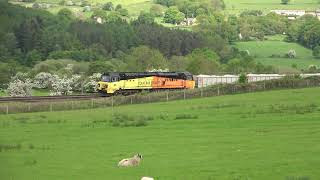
(106, 78)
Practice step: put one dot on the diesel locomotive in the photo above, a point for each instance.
(132, 82)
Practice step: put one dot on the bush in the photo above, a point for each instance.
(108, 6)
(285, 1)
(91, 82)
(124, 120)
(316, 52)
(186, 116)
(243, 78)
(20, 86)
(291, 54)
(61, 86)
(42, 80)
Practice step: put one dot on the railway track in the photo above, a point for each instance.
(47, 98)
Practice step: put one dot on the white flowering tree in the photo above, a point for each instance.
(42, 80)
(20, 76)
(19, 87)
(60, 86)
(76, 82)
(91, 84)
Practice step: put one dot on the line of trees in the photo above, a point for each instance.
(35, 41)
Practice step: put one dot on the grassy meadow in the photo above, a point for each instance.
(273, 50)
(237, 6)
(232, 6)
(133, 6)
(265, 135)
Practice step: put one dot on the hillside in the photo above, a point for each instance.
(274, 50)
(236, 6)
(266, 135)
(232, 6)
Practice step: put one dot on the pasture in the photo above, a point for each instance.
(133, 6)
(237, 6)
(265, 135)
(273, 51)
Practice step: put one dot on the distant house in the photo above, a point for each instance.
(293, 14)
(188, 21)
(41, 6)
(98, 19)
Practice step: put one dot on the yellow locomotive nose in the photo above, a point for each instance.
(102, 85)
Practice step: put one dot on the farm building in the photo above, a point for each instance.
(293, 14)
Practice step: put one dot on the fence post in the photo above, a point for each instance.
(50, 107)
(201, 92)
(92, 103)
(29, 107)
(167, 95)
(131, 100)
(218, 91)
(7, 109)
(72, 106)
(264, 85)
(184, 94)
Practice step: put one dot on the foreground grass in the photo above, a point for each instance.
(266, 135)
(263, 51)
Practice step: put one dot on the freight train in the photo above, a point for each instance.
(132, 82)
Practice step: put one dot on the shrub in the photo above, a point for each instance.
(124, 120)
(42, 80)
(285, 1)
(243, 78)
(186, 116)
(108, 6)
(91, 82)
(61, 86)
(316, 52)
(291, 54)
(20, 88)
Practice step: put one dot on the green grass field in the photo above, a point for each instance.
(265, 135)
(263, 50)
(237, 6)
(232, 6)
(134, 6)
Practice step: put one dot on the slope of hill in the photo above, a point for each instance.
(273, 52)
(266, 135)
(237, 6)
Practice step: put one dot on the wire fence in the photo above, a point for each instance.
(216, 90)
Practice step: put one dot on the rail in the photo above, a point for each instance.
(47, 98)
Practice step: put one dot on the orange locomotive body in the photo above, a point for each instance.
(171, 83)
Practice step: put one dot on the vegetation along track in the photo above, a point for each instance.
(47, 98)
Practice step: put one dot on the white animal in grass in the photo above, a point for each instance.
(147, 178)
(134, 161)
